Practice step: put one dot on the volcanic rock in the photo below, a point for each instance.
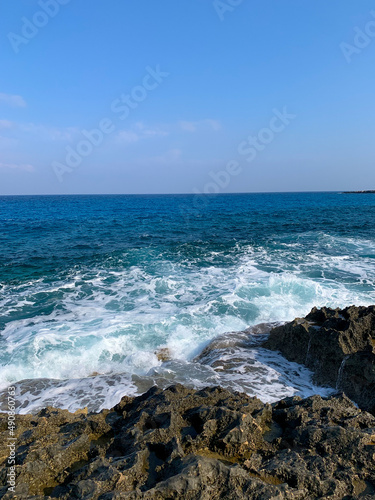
(179, 443)
(337, 345)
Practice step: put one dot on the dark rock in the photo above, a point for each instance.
(337, 345)
(368, 191)
(185, 444)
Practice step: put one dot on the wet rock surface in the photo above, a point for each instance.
(337, 345)
(180, 443)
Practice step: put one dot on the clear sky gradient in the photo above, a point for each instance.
(228, 70)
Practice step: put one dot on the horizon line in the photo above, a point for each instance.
(349, 191)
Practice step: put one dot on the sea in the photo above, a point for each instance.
(106, 296)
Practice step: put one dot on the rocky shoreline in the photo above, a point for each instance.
(337, 345)
(368, 191)
(181, 443)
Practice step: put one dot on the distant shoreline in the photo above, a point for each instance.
(369, 191)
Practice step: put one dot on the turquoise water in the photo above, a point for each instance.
(92, 286)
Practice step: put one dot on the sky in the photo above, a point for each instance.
(186, 96)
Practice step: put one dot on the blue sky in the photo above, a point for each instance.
(220, 70)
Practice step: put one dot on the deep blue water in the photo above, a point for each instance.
(98, 283)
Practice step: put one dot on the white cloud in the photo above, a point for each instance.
(6, 124)
(188, 126)
(41, 131)
(208, 123)
(137, 132)
(214, 124)
(15, 101)
(126, 137)
(149, 131)
(14, 166)
(49, 133)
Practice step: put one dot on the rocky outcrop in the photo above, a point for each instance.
(185, 444)
(337, 345)
(368, 191)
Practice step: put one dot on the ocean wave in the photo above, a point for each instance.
(113, 320)
(234, 361)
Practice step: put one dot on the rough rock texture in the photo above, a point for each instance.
(186, 444)
(338, 345)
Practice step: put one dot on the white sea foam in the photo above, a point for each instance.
(234, 361)
(112, 322)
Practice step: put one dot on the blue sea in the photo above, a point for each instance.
(102, 296)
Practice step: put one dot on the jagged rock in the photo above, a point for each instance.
(185, 444)
(337, 345)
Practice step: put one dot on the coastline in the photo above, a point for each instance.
(186, 443)
(368, 191)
